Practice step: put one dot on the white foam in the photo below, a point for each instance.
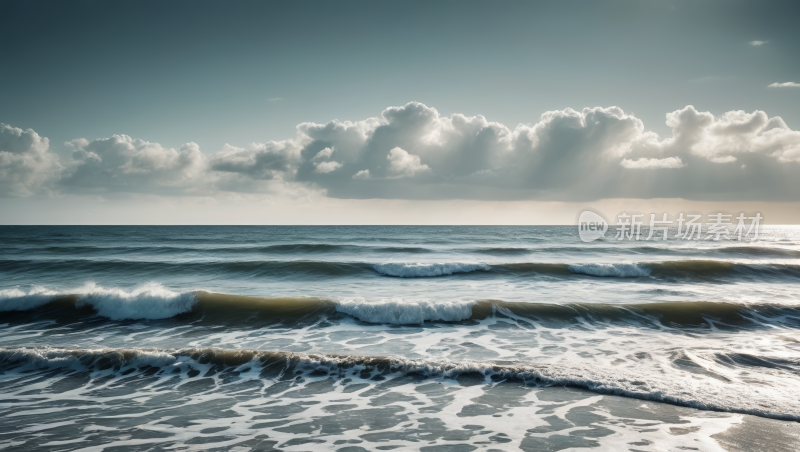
(418, 270)
(620, 270)
(80, 359)
(147, 301)
(732, 395)
(404, 312)
(17, 299)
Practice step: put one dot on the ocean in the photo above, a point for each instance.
(432, 338)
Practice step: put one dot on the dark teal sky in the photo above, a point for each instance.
(180, 71)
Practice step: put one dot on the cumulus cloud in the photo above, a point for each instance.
(322, 164)
(124, 164)
(414, 152)
(784, 85)
(26, 166)
(721, 139)
(567, 154)
(326, 167)
(403, 164)
(258, 160)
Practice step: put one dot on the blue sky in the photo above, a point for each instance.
(232, 79)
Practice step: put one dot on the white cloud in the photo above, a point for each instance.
(324, 154)
(758, 43)
(645, 163)
(258, 160)
(327, 167)
(718, 139)
(725, 159)
(122, 163)
(26, 166)
(784, 85)
(413, 152)
(403, 164)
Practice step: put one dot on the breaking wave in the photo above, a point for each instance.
(618, 270)
(147, 301)
(154, 302)
(236, 365)
(426, 270)
(700, 270)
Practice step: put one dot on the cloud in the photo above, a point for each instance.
(645, 163)
(26, 166)
(327, 167)
(413, 152)
(322, 164)
(258, 160)
(403, 164)
(717, 139)
(124, 164)
(566, 155)
(758, 43)
(784, 85)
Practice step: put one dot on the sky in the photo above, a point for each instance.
(396, 112)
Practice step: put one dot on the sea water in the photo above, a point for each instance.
(395, 338)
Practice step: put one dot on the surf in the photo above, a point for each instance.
(155, 302)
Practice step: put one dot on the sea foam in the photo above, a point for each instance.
(641, 383)
(147, 301)
(17, 299)
(419, 270)
(405, 312)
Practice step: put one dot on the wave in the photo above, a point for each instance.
(278, 249)
(505, 251)
(402, 312)
(16, 299)
(147, 301)
(622, 270)
(242, 268)
(304, 248)
(154, 302)
(103, 364)
(691, 270)
(649, 249)
(418, 270)
(700, 270)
